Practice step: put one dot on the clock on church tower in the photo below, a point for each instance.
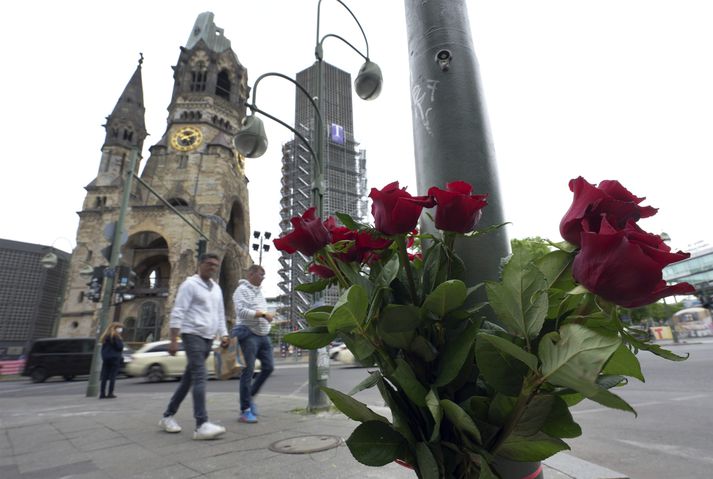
(186, 138)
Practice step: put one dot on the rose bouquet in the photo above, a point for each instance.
(473, 385)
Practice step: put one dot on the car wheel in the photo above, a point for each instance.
(68, 377)
(155, 373)
(38, 375)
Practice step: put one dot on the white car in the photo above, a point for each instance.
(153, 362)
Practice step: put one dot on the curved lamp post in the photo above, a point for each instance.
(251, 141)
(369, 80)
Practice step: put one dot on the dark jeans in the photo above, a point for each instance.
(110, 368)
(259, 347)
(194, 377)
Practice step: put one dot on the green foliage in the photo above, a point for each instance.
(533, 247)
(466, 383)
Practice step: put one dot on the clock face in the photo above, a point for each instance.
(186, 138)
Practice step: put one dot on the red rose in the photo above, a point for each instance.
(320, 270)
(458, 209)
(308, 236)
(591, 204)
(624, 266)
(395, 211)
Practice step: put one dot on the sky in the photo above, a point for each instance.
(605, 89)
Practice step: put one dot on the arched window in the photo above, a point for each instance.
(222, 88)
(153, 278)
(149, 325)
(177, 202)
(198, 80)
(129, 333)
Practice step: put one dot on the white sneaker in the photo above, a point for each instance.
(169, 424)
(208, 430)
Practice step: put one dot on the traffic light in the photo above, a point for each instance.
(95, 284)
(126, 278)
(201, 246)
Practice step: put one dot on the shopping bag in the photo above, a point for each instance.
(229, 361)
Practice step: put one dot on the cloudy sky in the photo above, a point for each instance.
(607, 89)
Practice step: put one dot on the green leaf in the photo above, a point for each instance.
(314, 287)
(366, 383)
(352, 408)
(554, 264)
(500, 408)
(310, 338)
(559, 422)
(485, 471)
(500, 370)
(396, 340)
(318, 316)
(389, 271)
(520, 298)
(423, 348)
(398, 318)
(360, 347)
(399, 409)
(375, 443)
(406, 379)
(454, 356)
(350, 310)
(447, 296)
(434, 406)
(534, 416)
(348, 221)
(508, 347)
(532, 448)
(460, 419)
(575, 357)
(624, 362)
(427, 465)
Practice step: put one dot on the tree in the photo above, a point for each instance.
(533, 246)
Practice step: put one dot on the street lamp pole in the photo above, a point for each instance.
(261, 247)
(110, 272)
(252, 142)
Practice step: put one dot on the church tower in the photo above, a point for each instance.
(192, 186)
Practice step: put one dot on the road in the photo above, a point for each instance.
(671, 437)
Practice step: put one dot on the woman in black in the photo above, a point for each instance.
(112, 347)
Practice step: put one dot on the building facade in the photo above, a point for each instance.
(192, 182)
(696, 270)
(30, 294)
(344, 170)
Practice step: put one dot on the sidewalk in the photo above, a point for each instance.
(79, 437)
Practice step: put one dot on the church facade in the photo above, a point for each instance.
(192, 186)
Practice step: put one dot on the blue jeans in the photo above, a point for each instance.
(197, 350)
(259, 347)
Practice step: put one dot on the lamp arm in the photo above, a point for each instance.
(300, 87)
(297, 133)
(319, 42)
(365, 57)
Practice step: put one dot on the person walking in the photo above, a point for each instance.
(112, 348)
(199, 316)
(252, 330)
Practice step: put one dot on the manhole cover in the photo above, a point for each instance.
(305, 444)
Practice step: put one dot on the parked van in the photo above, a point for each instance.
(66, 357)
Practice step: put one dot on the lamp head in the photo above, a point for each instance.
(368, 81)
(49, 261)
(251, 140)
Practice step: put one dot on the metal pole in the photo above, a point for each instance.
(316, 399)
(110, 272)
(451, 133)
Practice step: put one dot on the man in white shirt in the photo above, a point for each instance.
(199, 316)
(252, 329)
